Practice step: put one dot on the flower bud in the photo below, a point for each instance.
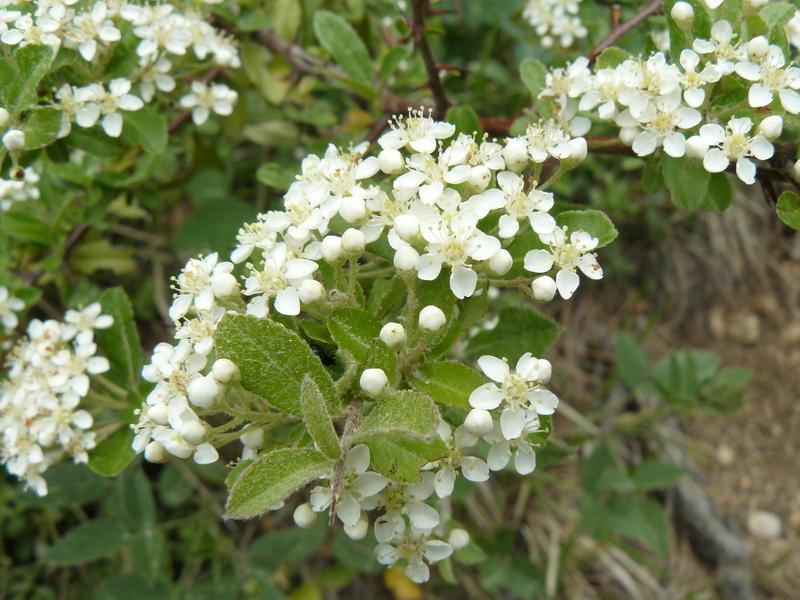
(458, 539)
(353, 209)
(515, 153)
(14, 139)
(310, 291)
(253, 437)
(545, 370)
(696, 147)
(406, 227)
(757, 49)
(479, 422)
(5, 118)
(577, 149)
(224, 285)
(194, 432)
(203, 391)
(544, 288)
(155, 453)
(357, 531)
(393, 335)
(480, 177)
(406, 258)
(797, 170)
(771, 127)
(391, 161)
(501, 263)
(158, 413)
(353, 241)
(224, 370)
(331, 248)
(682, 13)
(628, 134)
(374, 381)
(304, 516)
(431, 318)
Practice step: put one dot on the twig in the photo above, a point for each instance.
(434, 81)
(622, 28)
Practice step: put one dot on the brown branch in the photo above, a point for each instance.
(622, 28)
(434, 81)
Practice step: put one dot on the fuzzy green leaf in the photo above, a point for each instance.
(521, 329)
(400, 459)
(317, 419)
(271, 478)
(357, 331)
(448, 382)
(41, 127)
(19, 79)
(534, 75)
(402, 414)
(593, 222)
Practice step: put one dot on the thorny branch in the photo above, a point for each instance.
(622, 28)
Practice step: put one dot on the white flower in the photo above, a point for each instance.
(278, 277)
(519, 204)
(97, 101)
(417, 132)
(733, 143)
(725, 54)
(693, 82)
(86, 28)
(447, 467)
(502, 448)
(658, 123)
(393, 335)
(9, 305)
(195, 286)
(373, 381)
(566, 255)
(770, 79)
(204, 99)
(414, 545)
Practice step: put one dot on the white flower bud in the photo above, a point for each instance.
(374, 381)
(544, 288)
(310, 291)
(203, 391)
(353, 209)
(683, 13)
(224, 285)
(479, 422)
(501, 263)
(628, 134)
(14, 139)
(353, 241)
(431, 318)
(359, 530)
(797, 170)
(578, 149)
(304, 516)
(480, 177)
(515, 153)
(194, 432)
(158, 413)
(4, 118)
(458, 539)
(391, 161)
(545, 370)
(771, 127)
(224, 370)
(406, 227)
(393, 335)
(178, 446)
(406, 258)
(253, 437)
(757, 48)
(696, 147)
(155, 453)
(331, 248)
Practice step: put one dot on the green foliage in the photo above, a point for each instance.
(401, 415)
(400, 459)
(120, 342)
(20, 77)
(687, 181)
(356, 330)
(317, 419)
(448, 382)
(146, 128)
(789, 209)
(593, 222)
(111, 456)
(87, 542)
(521, 329)
(341, 40)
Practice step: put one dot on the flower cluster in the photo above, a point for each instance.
(439, 206)
(555, 20)
(48, 376)
(657, 104)
(165, 35)
(9, 307)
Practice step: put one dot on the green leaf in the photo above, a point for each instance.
(148, 551)
(652, 176)
(473, 310)
(67, 483)
(317, 419)
(41, 127)
(400, 459)
(656, 475)
(131, 501)
(145, 128)
(275, 177)
(291, 545)
(687, 181)
(287, 15)
(111, 456)
(392, 61)
(18, 90)
(465, 119)
(640, 518)
(403, 414)
(611, 57)
(340, 39)
(720, 193)
(133, 587)
(534, 76)
(601, 472)
(120, 342)
(789, 209)
(100, 255)
(87, 542)
(448, 382)
(383, 295)
(273, 362)
(356, 330)
(630, 360)
(593, 222)
(271, 478)
(777, 14)
(521, 329)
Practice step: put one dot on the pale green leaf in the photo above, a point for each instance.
(41, 127)
(20, 78)
(448, 382)
(131, 500)
(400, 459)
(341, 40)
(534, 75)
(656, 475)
(630, 360)
(148, 551)
(356, 330)
(317, 419)
(402, 414)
